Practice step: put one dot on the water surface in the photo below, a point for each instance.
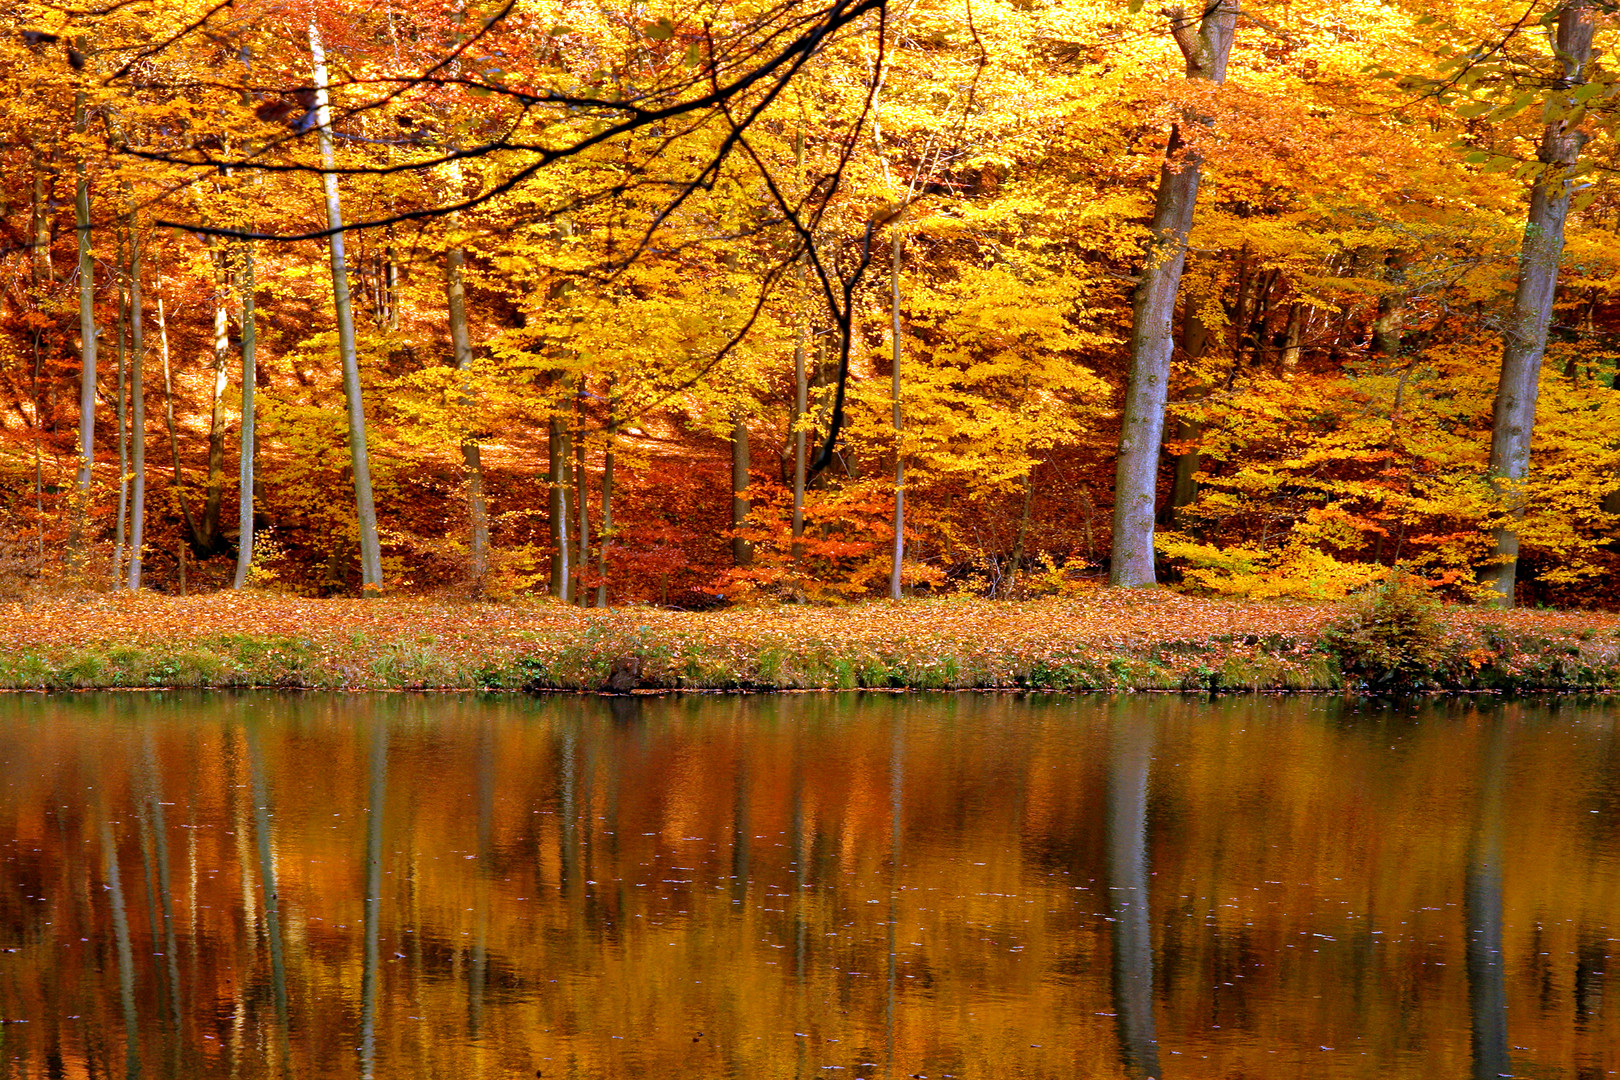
(950, 886)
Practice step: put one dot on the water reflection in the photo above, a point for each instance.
(947, 887)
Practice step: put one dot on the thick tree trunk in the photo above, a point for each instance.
(898, 555)
(87, 332)
(801, 394)
(371, 580)
(742, 552)
(1205, 43)
(137, 408)
(557, 477)
(246, 285)
(461, 345)
(1525, 338)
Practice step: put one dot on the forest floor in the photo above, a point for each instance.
(1107, 640)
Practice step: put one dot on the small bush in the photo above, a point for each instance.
(1393, 639)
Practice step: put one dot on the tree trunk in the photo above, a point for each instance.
(192, 535)
(1525, 338)
(461, 345)
(87, 330)
(137, 407)
(582, 558)
(801, 393)
(40, 260)
(897, 558)
(1293, 337)
(607, 509)
(742, 552)
(1205, 43)
(246, 285)
(123, 440)
(557, 475)
(1016, 563)
(371, 580)
(214, 492)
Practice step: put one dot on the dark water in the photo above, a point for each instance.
(806, 886)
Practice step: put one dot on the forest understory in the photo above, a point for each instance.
(1109, 640)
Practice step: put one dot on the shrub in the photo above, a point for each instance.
(1393, 638)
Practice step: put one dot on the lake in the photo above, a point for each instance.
(841, 886)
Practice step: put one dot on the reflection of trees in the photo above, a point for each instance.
(1130, 750)
(377, 801)
(988, 839)
(126, 959)
(1487, 988)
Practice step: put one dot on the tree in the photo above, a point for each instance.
(1524, 338)
(1205, 43)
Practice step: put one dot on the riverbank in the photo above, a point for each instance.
(1113, 641)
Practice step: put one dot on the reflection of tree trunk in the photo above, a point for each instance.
(1130, 752)
(373, 911)
(569, 841)
(160, 835)
(897, 801)
(740, 834)
(1487, 989)
(126, 957)
(267, 876)
(478, 970)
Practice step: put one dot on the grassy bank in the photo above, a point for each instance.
(1106, 641)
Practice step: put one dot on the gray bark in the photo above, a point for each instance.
(244, 542)
(123, 439)
(365, 509)
(557, 477)
(897, 559)
(1482, 901)
(742, 552)
(1205, 43)
(87, 326)
(214, 492)
(607, 510)
(137, 408)
(461, 344)
(582, 558)
(1525, 337)
(193, 536)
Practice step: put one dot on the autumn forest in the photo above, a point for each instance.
(745, 300)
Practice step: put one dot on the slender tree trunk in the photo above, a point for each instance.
(1016, 563)
(1205, 43)
(582, 557)
(455, 290)
(801, 395)
(137, 402)
(1525, 338)
(365, 509)
(742, 552)
(40, 259)
(123, 441)
(897, 556)
(557, 451)
(193, 536)
(607, 509)
(214, 492)
(246, 286)
(87, 330)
